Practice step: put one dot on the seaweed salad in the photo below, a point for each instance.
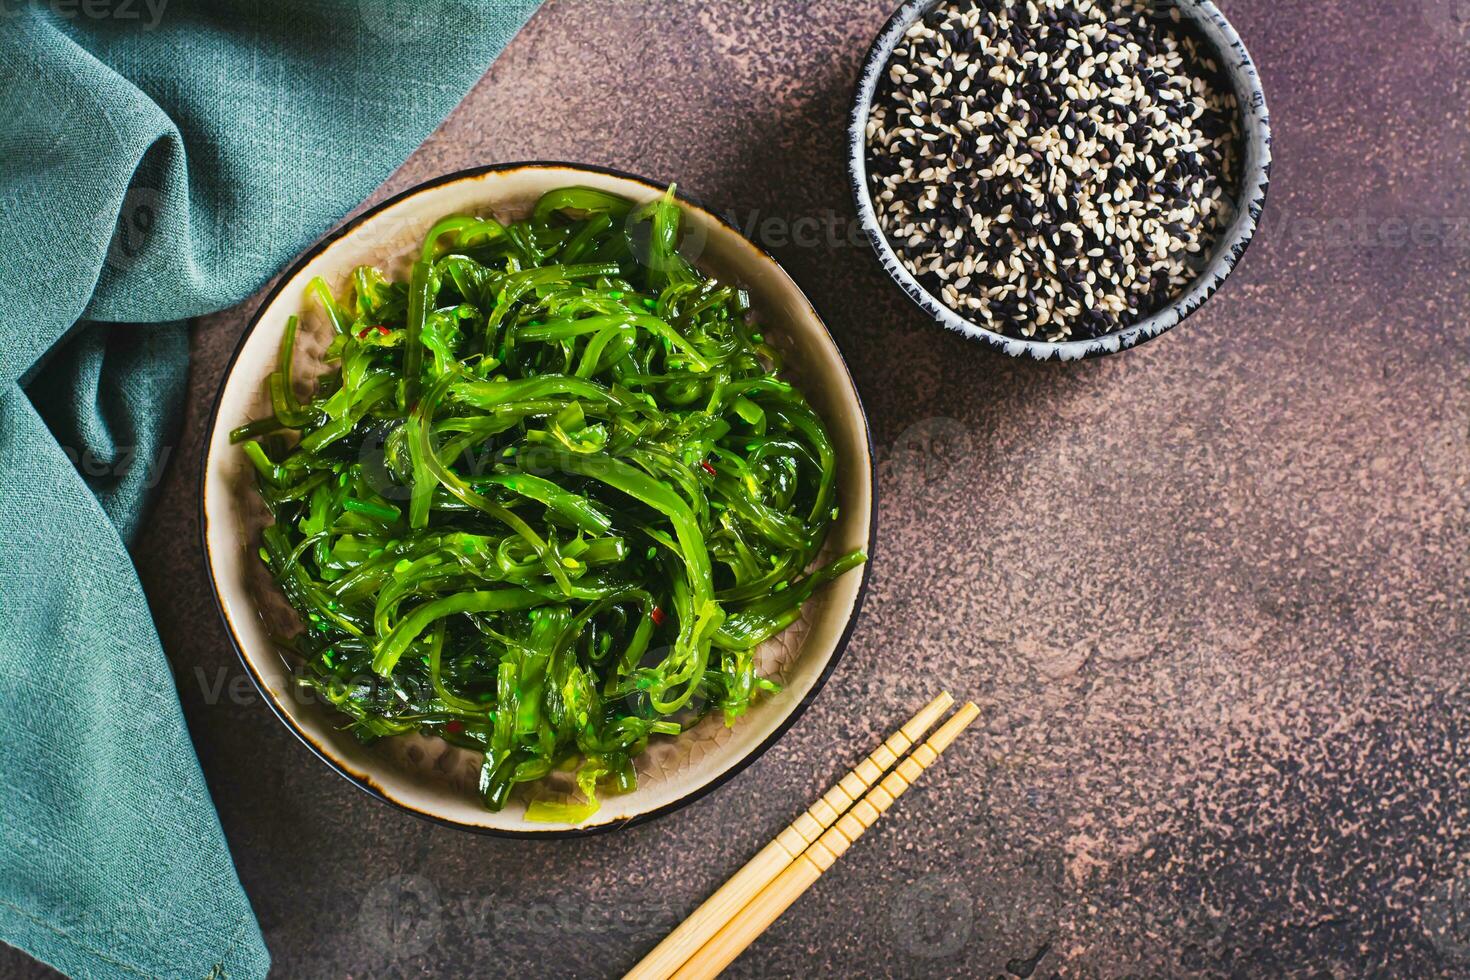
(548, 500)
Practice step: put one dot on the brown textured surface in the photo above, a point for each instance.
(1210, 592)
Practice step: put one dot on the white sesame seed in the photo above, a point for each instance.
(1063, 219)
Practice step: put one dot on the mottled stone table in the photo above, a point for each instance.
(1211, 593)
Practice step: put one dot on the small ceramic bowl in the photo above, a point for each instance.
(1209, 24)
(427, 776)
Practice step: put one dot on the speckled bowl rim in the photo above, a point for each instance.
(364, 782)
(1235, 61)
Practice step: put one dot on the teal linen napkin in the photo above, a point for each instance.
(159, 159)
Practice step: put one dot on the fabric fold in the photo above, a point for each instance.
(152, 169)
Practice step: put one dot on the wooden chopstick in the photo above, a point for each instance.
(742, 930)
(760, 870)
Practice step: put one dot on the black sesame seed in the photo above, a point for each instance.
(1031, 171)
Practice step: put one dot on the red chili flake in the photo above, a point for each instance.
(454, 728)
(707, 468)
(657, 616)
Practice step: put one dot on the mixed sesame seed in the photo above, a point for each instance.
(1052, 169)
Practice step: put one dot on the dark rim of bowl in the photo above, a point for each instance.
(365, 783)
(1228, 250)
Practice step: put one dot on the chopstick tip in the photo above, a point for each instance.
(927, 716)
(951, 729)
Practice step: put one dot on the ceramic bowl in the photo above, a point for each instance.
(426, 775)
(1206, 21)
